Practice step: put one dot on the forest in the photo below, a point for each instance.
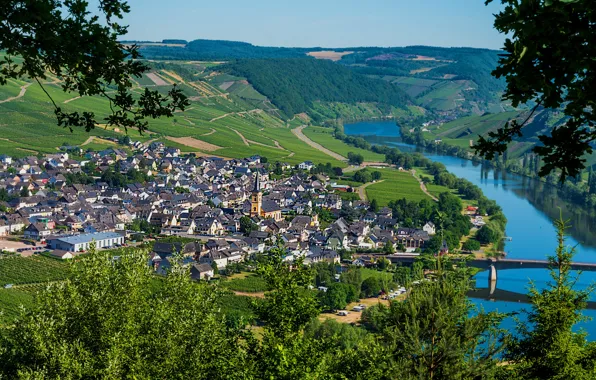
(293, 85)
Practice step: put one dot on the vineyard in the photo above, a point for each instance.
(31, 270)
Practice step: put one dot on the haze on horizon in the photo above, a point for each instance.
(327, 23)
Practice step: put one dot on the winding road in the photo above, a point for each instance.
(298, 133)
(20, 95)
(362, 189)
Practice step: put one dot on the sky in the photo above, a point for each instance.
(324, 23)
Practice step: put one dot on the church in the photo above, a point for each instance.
(263, 208)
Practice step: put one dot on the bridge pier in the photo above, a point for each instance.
(492, 279)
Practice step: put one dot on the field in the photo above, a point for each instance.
(396, 185)
(329, 54)
(28, 270)
(250, 283)
(324, 137)
(445, 96)
(11, 301)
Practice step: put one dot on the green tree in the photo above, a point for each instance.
(374, 205)
(471, 245)
(335, 297)
(84, 52)
(247, 225)
(383, 263)
(24, 192)
(371, 287)
(102, 322)
(546, 347)
(437, 333)
(389, 248)
(550, 67)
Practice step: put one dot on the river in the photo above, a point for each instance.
(529, 205)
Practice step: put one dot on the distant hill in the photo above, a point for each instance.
(295, 84)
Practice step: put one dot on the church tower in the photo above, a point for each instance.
(256, 199)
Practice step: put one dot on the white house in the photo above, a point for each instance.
(306, 165)
(82, 242)
(429, 228)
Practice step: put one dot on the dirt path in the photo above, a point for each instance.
(88, 141)
(209, 133)
(362, 189)
(256, 295)
(20, 95)
(244, 140)
(257, 110)
(423, 186)
(298, 133)
(71, 99)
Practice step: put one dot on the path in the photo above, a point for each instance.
(246, 294)
(362, 189)
(298, 133)
(241, 136)
(423, 186)
(209, 133)
(20, 95)
(257, 110)
(88, 141)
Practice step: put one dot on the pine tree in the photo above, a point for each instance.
(545, 346)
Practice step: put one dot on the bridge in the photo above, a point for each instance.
(494, 265)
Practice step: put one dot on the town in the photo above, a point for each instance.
(60, 206)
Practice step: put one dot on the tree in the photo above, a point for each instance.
(24, 192)
(102, 321)
(355, 159)
(66, 40)
(471, 245)
(335, 297)
(437, 333)
(3, 194)
(374, 205)
(549, 67)
(389, 248)
(376, 175)
(214, 267)
(383, 263)
(488, 234)
(370, 287)
(546, 347)
(247, 225)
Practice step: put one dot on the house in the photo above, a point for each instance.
(429, 228)
(63, 255)
(306, 165)
(209, 226)
(37, 231)
(201, 272)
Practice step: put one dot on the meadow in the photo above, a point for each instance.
(395, 185)
(29, 270)
(324, 137)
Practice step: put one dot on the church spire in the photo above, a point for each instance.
(257, 187)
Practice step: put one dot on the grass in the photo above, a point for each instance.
(324, 137)
(250, 284)
(396, 185)
(35, 269)
(11, 301)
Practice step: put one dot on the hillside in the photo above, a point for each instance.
(294, 85)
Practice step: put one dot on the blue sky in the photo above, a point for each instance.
(326, 23)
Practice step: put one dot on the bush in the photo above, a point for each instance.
(471, 245)
(371, 287)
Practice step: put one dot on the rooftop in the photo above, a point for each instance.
(87, 238)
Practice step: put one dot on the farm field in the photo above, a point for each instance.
(30, 270)
(396, 185)
(11, 301)
(324, 137)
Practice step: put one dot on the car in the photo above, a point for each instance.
(343, 313)
(7, 286)
(357, 308)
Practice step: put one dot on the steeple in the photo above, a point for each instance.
(257, 187)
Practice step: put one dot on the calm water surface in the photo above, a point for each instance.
(529, 205)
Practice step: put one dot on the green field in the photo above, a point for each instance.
(11, 301)
(250, 283)
(324, 137)
(30, 270)
(396, 185)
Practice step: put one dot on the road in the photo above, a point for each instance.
(302, 136)
(362, 189)
(20, 95)
(423, 187)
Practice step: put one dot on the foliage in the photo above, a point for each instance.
(355, 159)
(68, 41)
(550, 67)
(471, 245)
(371, 287)
(293, 85)
(250, 284)
(437, 333)
(337, 296)
(546, 347)
(34, 269)
(82, 328)
(247, 225)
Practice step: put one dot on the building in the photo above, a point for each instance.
(306, 165)
(82, 242)
(201, 272)
(267, 209)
